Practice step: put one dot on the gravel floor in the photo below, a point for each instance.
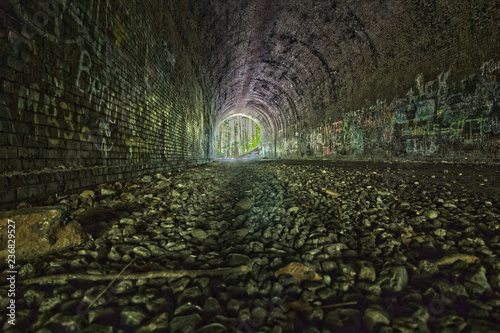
(381, 247)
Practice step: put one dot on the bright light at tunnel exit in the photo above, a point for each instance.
(236, 136)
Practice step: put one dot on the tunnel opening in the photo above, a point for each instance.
(238, 136)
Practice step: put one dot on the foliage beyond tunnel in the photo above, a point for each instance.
(236, 136)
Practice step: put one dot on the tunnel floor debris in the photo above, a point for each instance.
(301, 246)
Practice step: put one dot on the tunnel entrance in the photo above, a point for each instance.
(237, 136)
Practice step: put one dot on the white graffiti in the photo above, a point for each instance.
(492, 125)
(104, 130)
(421, 147)
(432, 88)
(490, 66)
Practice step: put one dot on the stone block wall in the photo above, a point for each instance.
(94, 91)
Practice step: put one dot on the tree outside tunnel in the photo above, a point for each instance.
(237, 135)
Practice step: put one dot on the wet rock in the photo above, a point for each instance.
(344, 320)
(481, 326)
(190, 295)
(393, 279)
(160, 323)
(26, 271)
(142, 252)
(431, 214)
(417, 321)
(199, 234)
(367, 272)
(74, 323)
(187, 309)
(233, 306)
(335, 250)
(243, 205)
(180, 284)
(241, 233)
(146, 179)
(252, 287)
(87, 197)
(258, 316)
(129, 231)
(449, 323)
(132, 316)
(50, 302)
(94, 328)
(212, 328)
(185, 324)
(329, 267)
(374, 317)
(237, 259)
(212, 306)
(122, 286)
(107, 192)
(39, 231)
(478, 283)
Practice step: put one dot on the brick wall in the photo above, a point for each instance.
(94, 91)
(420, 81)
(436, 120)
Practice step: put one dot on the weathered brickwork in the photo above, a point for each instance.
(437, 119)
(411, 79)
(104, 89)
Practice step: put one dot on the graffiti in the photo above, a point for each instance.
(425, 110)
(448, 118)
(104, 130)
(387, 133)
(84, 66)
(315, 141)
(433, 113)
(47, 114)
(386, 116)
(90, 83)
(491, 126)
(368, 121)
(356, 140)
(28, 99)
(457, 130)
(469, 105)
(423, 147)
(48, 17)
(138, 145)
(400, 115)
(330, 137)
(490, 66)
(432, 88)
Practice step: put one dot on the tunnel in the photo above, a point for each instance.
(369, 204)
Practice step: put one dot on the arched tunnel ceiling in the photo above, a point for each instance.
(283, 61)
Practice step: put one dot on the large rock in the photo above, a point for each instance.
(38, 231)
(243, 205)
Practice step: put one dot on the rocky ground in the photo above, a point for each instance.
(378, 247)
